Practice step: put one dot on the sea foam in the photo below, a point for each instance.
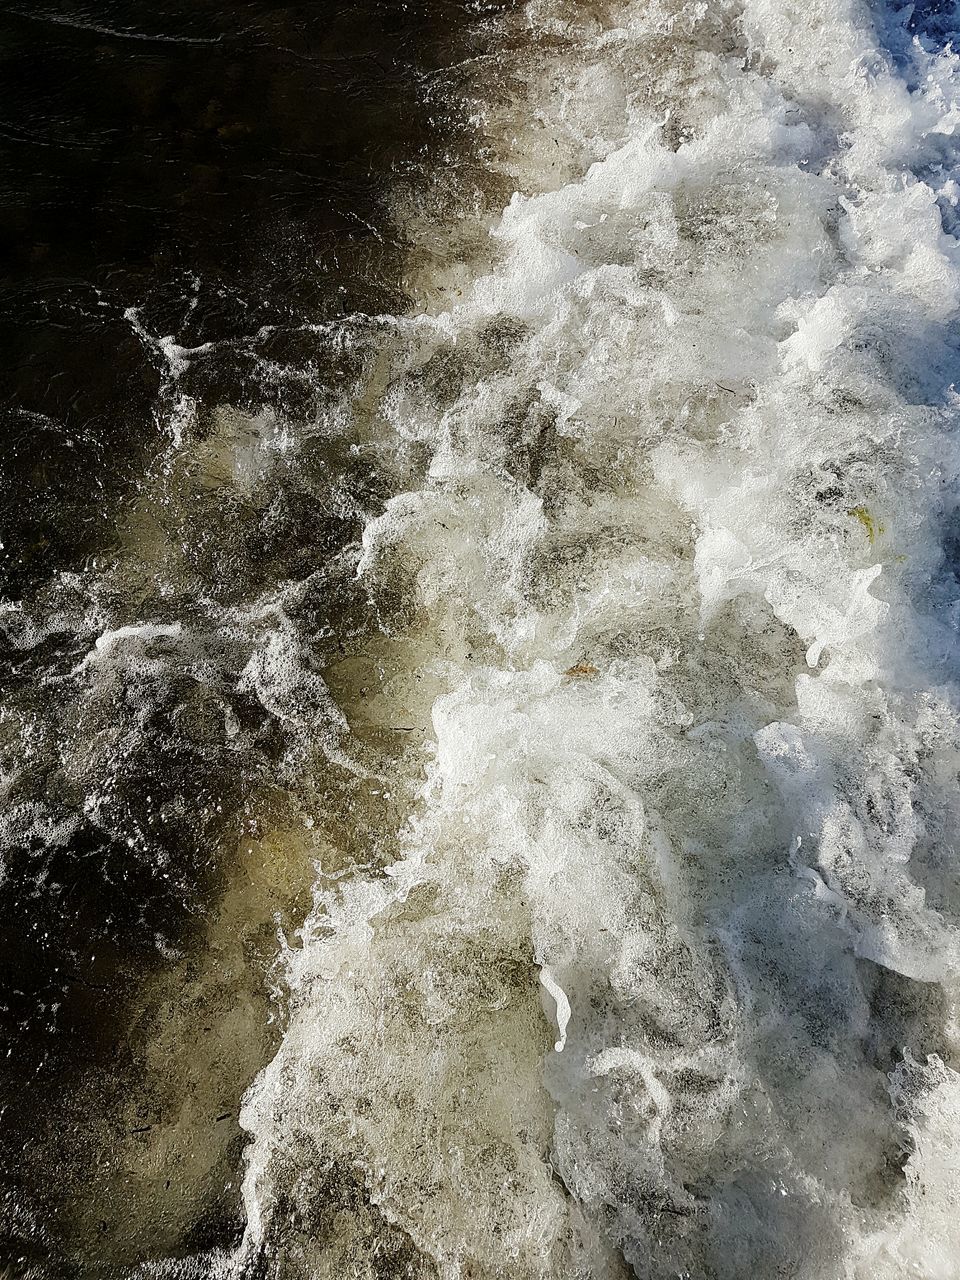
(662, 980)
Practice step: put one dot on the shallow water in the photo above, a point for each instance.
(481, 724)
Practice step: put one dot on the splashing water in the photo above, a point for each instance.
(662, 979)
(633, 945)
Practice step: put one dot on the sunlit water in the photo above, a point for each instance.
(519, 733)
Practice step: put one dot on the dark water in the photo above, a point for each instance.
(227, 171)
(222, 166)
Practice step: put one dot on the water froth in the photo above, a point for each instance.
(649, 965)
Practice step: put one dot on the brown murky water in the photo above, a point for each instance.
(230, 172)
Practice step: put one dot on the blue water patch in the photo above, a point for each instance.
(935, 23)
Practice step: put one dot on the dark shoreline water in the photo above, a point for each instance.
(228, 171)
(224, 167)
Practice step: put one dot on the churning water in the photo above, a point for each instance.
(481, 764)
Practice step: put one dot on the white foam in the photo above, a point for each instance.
(561, 1005)
(677, 553)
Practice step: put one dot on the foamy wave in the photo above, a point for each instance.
(663, 978)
